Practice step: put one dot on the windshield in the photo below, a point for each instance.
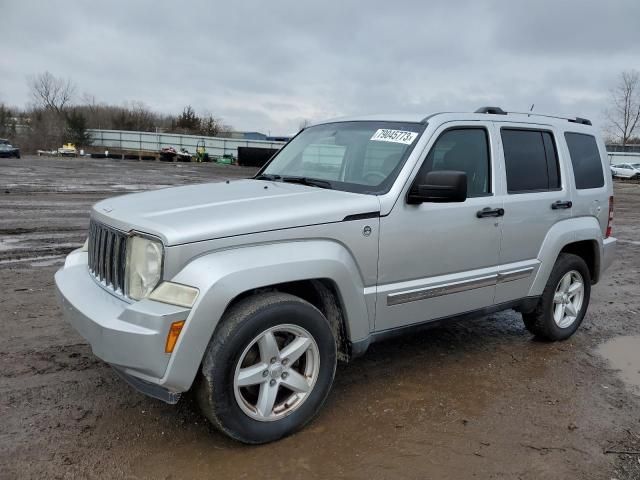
(362, 157)
(635, 165)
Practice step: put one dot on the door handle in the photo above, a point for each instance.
(490, 212)
(560, 204)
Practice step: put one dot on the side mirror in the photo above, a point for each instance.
(440, 186)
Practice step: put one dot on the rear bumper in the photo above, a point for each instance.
(129, 336)
(608, 253)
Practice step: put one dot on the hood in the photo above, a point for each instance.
(214, 210)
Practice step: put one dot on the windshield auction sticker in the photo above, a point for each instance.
(395, 136)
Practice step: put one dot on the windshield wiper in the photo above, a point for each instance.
(313, 182)
(267, 176)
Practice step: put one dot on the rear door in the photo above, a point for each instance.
(537, 196)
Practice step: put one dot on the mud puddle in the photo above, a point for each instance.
(623, 354)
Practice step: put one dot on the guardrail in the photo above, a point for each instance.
(153, 142)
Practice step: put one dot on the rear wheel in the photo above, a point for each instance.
(564, 300)
(268, 369)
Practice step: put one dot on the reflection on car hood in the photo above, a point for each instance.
(215, 210)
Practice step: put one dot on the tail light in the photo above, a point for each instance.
(610, 220)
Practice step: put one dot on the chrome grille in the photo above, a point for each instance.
(107, 255)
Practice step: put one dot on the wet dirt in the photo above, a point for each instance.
(476, 399)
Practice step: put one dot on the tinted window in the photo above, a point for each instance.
(585, 158)
(531, 160)
(466, 150)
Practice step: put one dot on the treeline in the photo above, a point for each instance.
(56, 116)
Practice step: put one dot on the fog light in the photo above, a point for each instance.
(172, 337)
(175, 294)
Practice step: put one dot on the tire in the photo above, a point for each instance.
(541, 321)
(230, 407)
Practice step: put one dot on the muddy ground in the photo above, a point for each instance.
(480, 399)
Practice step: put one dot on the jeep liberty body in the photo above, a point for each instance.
(249, 291)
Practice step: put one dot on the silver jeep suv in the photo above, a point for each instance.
(249, 291)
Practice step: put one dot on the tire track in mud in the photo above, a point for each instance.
(53, 359)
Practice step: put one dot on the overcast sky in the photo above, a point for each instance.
(266, 65)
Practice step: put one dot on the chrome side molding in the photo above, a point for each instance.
(511, 275)
(457, 287)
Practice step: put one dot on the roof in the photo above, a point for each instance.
(480, 114)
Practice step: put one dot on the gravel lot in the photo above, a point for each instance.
(480, 399)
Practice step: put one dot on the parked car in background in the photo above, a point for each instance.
(626, 170)
(68, 150)
(249, 291)
(8, 150)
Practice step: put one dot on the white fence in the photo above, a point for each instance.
(153, 142)
(623, 157)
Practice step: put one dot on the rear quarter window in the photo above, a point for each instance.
(585, 159)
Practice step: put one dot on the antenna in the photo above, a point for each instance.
(532, 105)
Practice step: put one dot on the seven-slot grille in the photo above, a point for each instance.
(107, 255)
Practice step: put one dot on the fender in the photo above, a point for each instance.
(223, 275)
(561, 234)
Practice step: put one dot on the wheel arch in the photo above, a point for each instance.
(322, 293)
(587, 250)
(319, 271)
(580, 236)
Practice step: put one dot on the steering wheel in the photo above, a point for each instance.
(375, 178)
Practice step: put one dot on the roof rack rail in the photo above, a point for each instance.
(491, 110)
(579, 120)
(582, 121)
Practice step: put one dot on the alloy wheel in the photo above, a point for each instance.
(276, 372)
(568, 298)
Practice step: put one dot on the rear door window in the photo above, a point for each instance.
(585, 159)
(531, 160)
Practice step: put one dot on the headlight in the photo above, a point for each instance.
(144, 266)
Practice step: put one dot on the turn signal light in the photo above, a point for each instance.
(172, 337)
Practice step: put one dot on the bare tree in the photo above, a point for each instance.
(50, 92)
(89, 101)
(625, 113)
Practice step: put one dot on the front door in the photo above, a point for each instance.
(440, 259)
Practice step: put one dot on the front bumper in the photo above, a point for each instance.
(129, 336)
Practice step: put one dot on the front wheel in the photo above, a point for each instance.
(268, 369)
(564, 300)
